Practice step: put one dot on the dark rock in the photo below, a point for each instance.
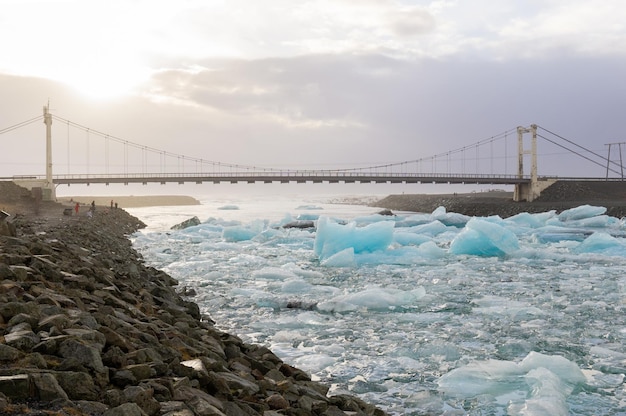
(47, 388)
(16, 387)
(301, 224)
(191, 222)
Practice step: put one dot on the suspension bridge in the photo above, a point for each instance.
(116, 160)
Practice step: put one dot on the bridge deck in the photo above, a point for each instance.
(293, 177)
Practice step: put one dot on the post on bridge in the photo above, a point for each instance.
(528, 191)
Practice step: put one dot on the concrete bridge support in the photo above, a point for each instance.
(528, 191)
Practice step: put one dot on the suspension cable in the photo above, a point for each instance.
(22, 124)
(576, 153)
(143, 148)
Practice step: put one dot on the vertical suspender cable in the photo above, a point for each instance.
(87, 152)
(506, 153)
(125, 158)
(68, 147)
(106, 154)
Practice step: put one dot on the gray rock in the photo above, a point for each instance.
(87, 355)
(126, 409)
(15, 387)
(47, 387)
(191, 222)
(8, 353)
(77, 385)
(23, 340)
(234, 382)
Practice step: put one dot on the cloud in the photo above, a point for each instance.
(411, 22)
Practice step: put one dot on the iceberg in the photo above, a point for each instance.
(581, 212)
(332, 238)
(409, 239)
(375, 298)
(540, 384)
(229, 208)
(601, 243)
(482, 237)
(449, 218)
(242, 232)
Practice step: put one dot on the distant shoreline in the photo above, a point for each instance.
(561, 196)
(138, 201)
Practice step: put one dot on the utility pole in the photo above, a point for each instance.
(608, 158)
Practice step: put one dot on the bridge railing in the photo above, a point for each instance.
(284, 174)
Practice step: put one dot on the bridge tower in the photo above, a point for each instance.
(48, 188)
(42, 189)
(528, 191)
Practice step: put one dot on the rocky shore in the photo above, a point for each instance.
(87, 329)
(559, 197)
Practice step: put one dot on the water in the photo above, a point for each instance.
(416, 330)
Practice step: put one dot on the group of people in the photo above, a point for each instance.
(92, 208)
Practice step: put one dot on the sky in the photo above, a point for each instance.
(309, 83)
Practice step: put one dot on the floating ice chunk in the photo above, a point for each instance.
(267, 235)
(432, 228)
(601, 243)
(484, 238)
(583, 211)
(525, 219)
(547, 395)
(238, 233)
(309, 207)
(493, 376)
(229, 207)
(553, 234)
(561, 366)
(273, 273)
(599, 221)
(307, 217)
(413, 220)
(376, 298)
(314, 362)
(431, 250)
(242, 232)
(446, 218)
(406, 239)
(296, 286)
(373, 218)
(542, 383)
(331, 237)
(344, 258)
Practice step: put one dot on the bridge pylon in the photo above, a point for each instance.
(48, 188)
(43, 189)
(528, 191)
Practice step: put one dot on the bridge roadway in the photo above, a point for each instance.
(293, 176)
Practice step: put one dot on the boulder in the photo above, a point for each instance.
(191, 222)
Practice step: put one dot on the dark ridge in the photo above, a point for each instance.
(558, 197)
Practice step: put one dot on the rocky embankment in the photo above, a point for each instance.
(87, 329)
(559, 197)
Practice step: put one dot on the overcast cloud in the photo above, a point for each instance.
(317, 83)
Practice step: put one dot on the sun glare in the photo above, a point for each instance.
(105, 82)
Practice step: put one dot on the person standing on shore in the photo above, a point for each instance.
(76, 208)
